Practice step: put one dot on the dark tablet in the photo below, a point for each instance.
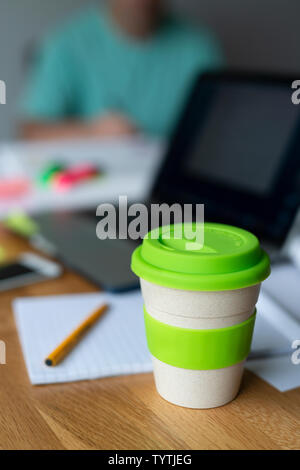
(236, 149)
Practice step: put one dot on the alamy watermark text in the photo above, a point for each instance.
(135, 221)
(2, 92)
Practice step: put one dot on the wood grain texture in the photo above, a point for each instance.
(126, 412)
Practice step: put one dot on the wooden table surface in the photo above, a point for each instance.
(126, 412)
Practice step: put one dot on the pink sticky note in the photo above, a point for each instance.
(13, 188)
(75, 175)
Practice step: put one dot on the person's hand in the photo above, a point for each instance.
(112, 124)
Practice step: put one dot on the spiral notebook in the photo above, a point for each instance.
(115, 345)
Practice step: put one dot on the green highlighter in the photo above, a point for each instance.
(21, 224)
(50, 172)
(200, 309)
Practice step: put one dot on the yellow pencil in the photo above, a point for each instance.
(68, 344)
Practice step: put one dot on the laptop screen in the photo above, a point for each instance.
(241, 144)
(236, 149)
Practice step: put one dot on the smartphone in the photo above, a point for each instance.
(28, 269)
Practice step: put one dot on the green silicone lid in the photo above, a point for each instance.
(231, 258)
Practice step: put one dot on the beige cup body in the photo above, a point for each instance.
(198, 310)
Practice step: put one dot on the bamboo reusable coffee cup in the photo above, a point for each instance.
(199, 309)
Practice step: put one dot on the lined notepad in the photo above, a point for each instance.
(115, 345)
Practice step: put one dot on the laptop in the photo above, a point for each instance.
(235, 149)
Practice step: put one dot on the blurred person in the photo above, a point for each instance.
(115, 69)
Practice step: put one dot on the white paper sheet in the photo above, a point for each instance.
(115, 345)
(277, 326)
(279, 371)
(128, 167)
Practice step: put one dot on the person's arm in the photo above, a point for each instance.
(34, 130)
(52, 98)
(109, 125)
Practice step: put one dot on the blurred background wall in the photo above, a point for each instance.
(256, 35)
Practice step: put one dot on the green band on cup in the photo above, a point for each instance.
(199, 349)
